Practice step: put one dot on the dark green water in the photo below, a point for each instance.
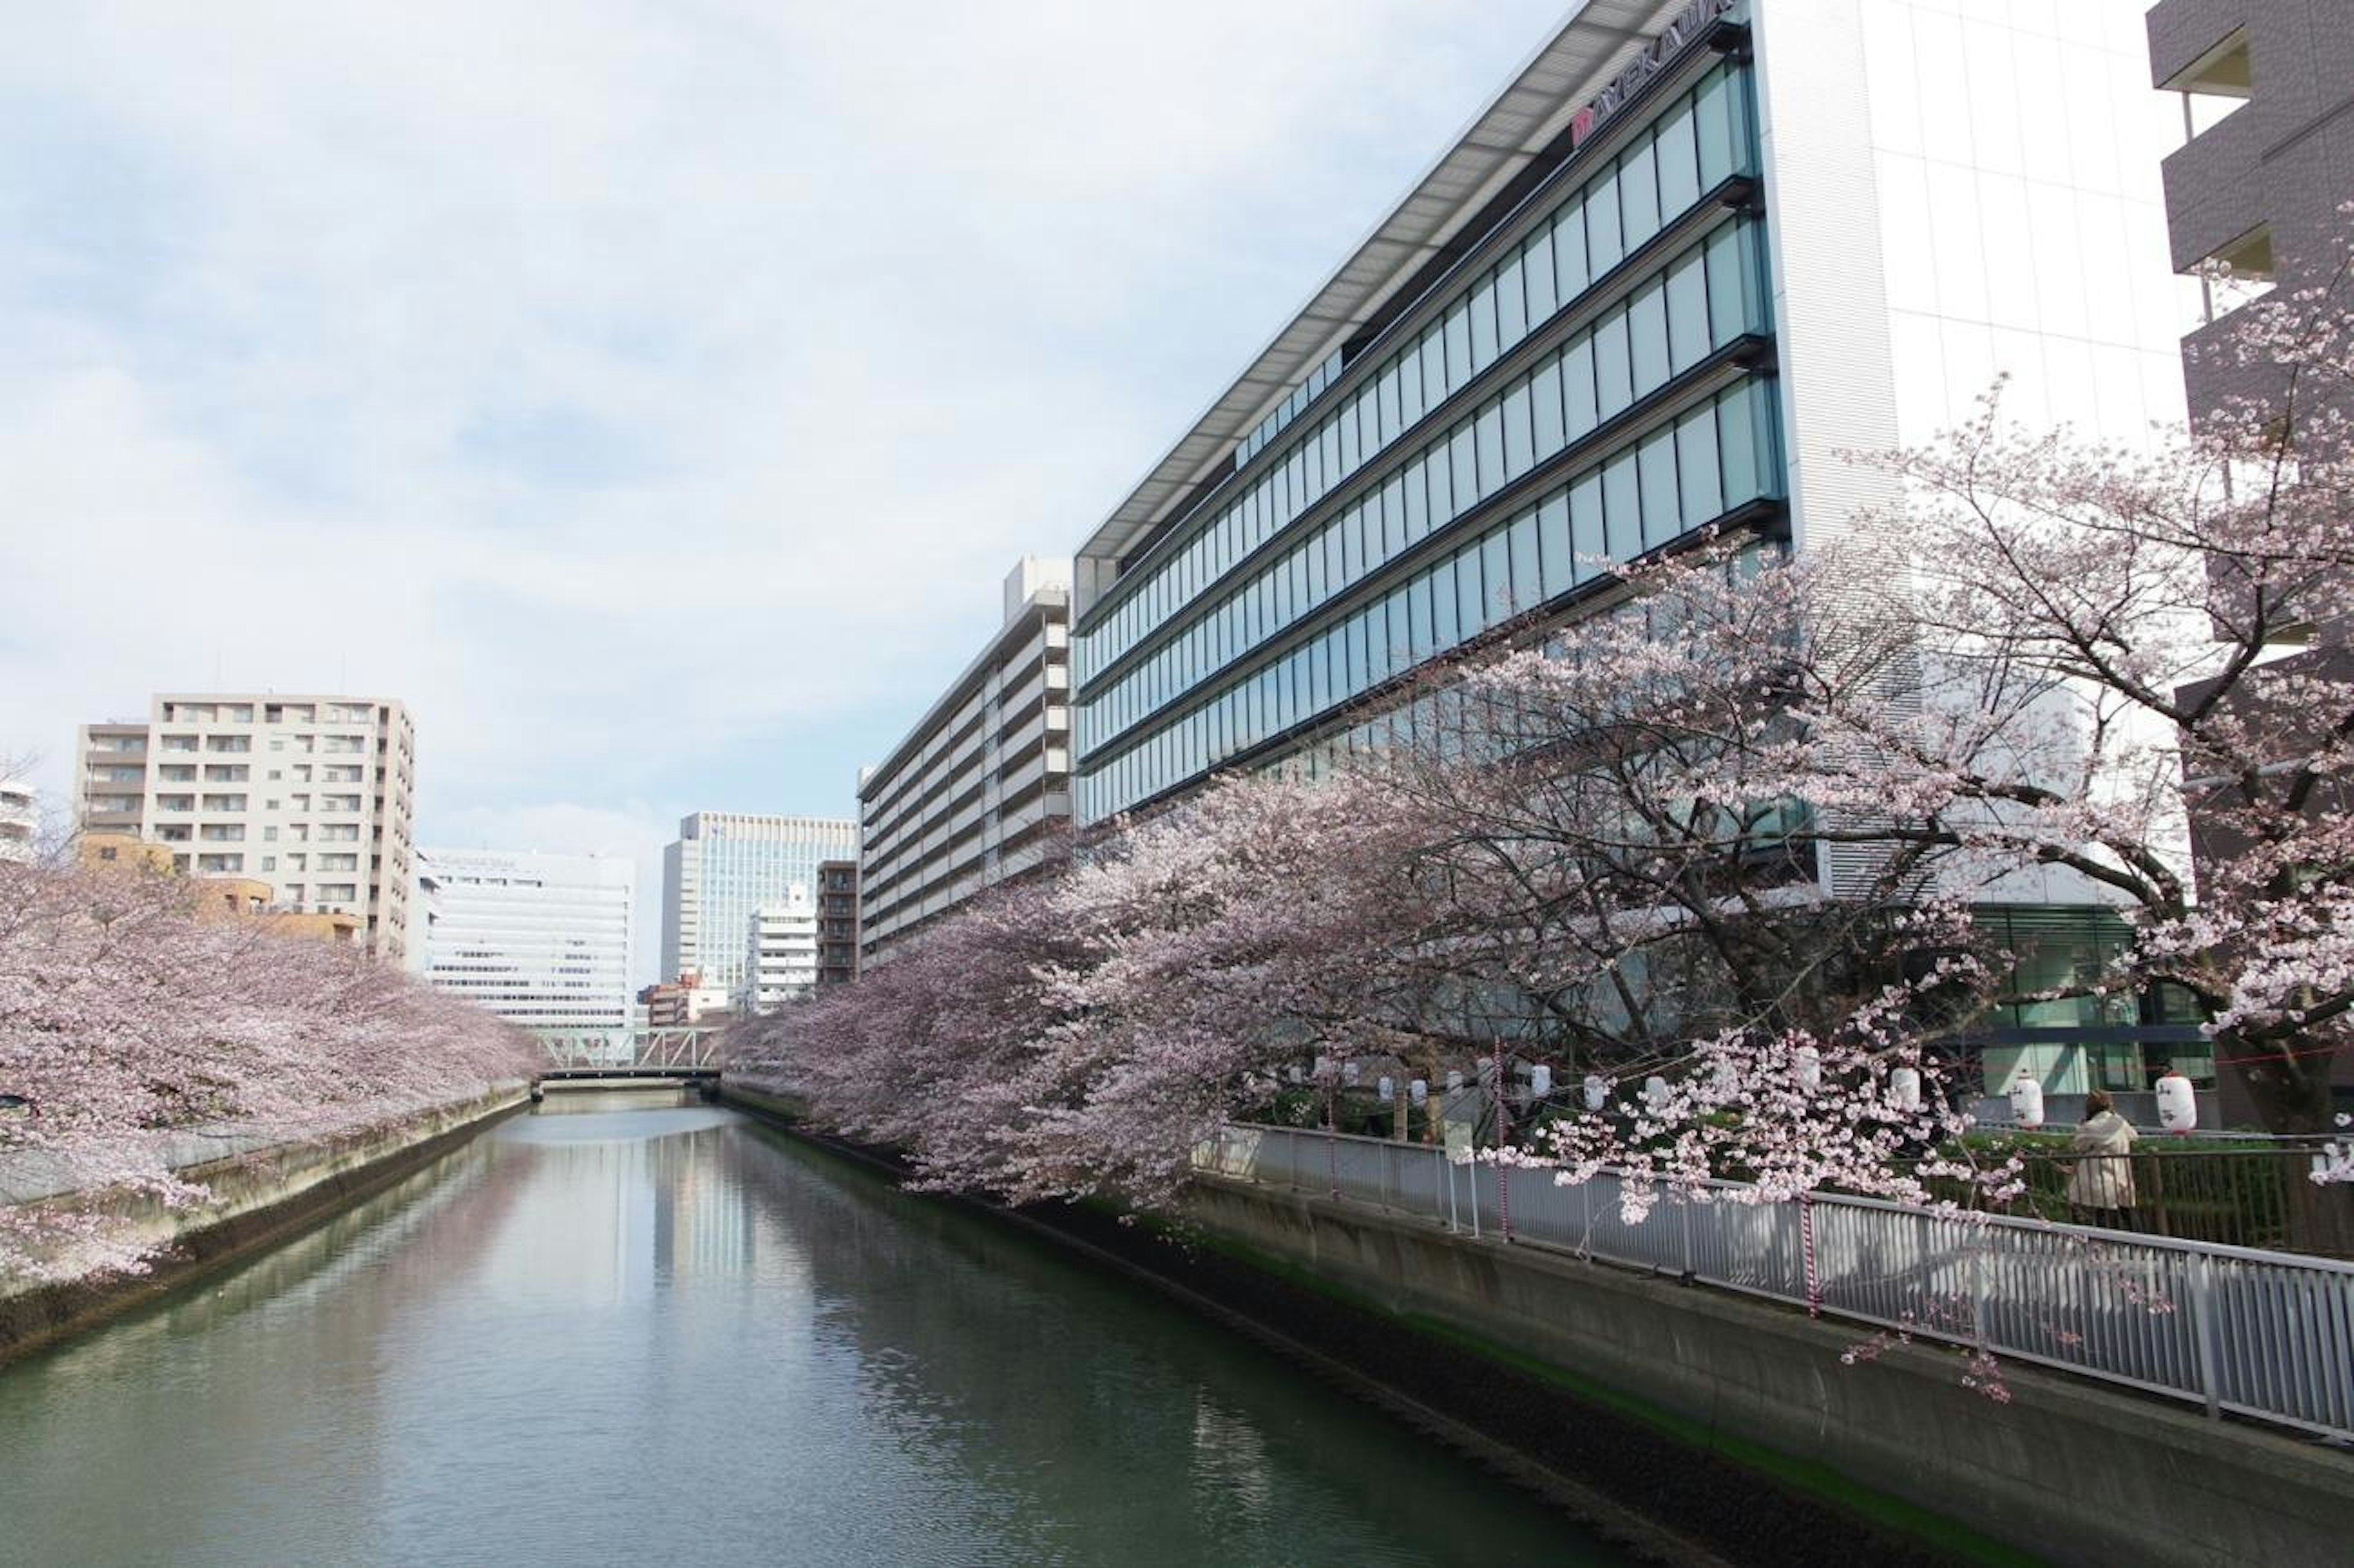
(616, 1332)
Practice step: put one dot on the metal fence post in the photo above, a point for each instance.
(1685, 1209)
(2202, 1333)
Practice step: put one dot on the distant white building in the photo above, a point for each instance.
(542, 940)
(779, 953)
(20, 818)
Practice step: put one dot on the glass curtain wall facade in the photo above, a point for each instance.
(723, 867)
(1593, 379)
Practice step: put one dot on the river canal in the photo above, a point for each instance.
(627, 1330)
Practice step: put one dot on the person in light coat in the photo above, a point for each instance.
(2101, 1182)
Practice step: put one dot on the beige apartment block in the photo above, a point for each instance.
(980, 790)
(311, 795)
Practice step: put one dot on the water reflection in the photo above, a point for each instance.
(607, 1334)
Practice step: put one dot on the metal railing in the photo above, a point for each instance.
(591, 1052)
(2234, 1330)
(2257, 1195)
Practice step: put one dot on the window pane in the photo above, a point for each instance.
(1385, 405)
(1488, 433)
(1578, 389)
(1546, 436)
(1350, 456)
(1536, 275)
(1418, 498)
(1392, 538)
(1610, 367)
(1483, 325)
(1728, 312)
(1638, 194)
(1647, 333)
(1622, 511)
(1352, 539)
(1445, 611)
(1457, 336)
(1470, 597)
(1703, 494)
(1736, 440)
(1512, 305)
(1465, 466)
(1528, 581)
(1519, 447)
(1678, 162)
(1497, 600)
(1602, 247)
(1434, 369)
(1558, 556)
(1712, 120)
(1417, 603)
(1587, 538)
(1569, 252)
(1687, 313)
(1656, 461)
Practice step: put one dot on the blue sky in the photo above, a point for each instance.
(653, 395)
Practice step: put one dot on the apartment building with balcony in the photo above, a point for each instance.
(837, 922)
(312, 795)
(724, 866)
(542, 940)
(980, 788)
(2267, 158)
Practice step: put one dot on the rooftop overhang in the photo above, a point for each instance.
(1525, 119)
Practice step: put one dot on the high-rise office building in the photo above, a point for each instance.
(542, 940)
(1692, 255)
(314, 796)
(724, 866)
(779, 954)
(979, 789)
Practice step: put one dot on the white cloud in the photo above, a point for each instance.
(638, 388)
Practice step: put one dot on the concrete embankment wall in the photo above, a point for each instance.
(2064, 1472)
(259, 1196)
(1727, 1429)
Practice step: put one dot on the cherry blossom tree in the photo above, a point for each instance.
(125, 1018)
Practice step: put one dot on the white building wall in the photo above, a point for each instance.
(1958, 189)
(542, 940)
(779, 953)
(20, 818)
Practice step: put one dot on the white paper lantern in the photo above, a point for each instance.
(1541, 1080)
(1597, 1091)
(1905, 1088)
(2027, 1100)
(1455, 1081)
(1387, 1088)
(1808, 1067)
(2177, 1108)
(1655, 1093)
(1349, 1074)
(1418, 1091)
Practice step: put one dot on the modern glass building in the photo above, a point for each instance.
(724, 866)
(1694, 252)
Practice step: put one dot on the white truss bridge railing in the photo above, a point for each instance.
(612, 1051)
